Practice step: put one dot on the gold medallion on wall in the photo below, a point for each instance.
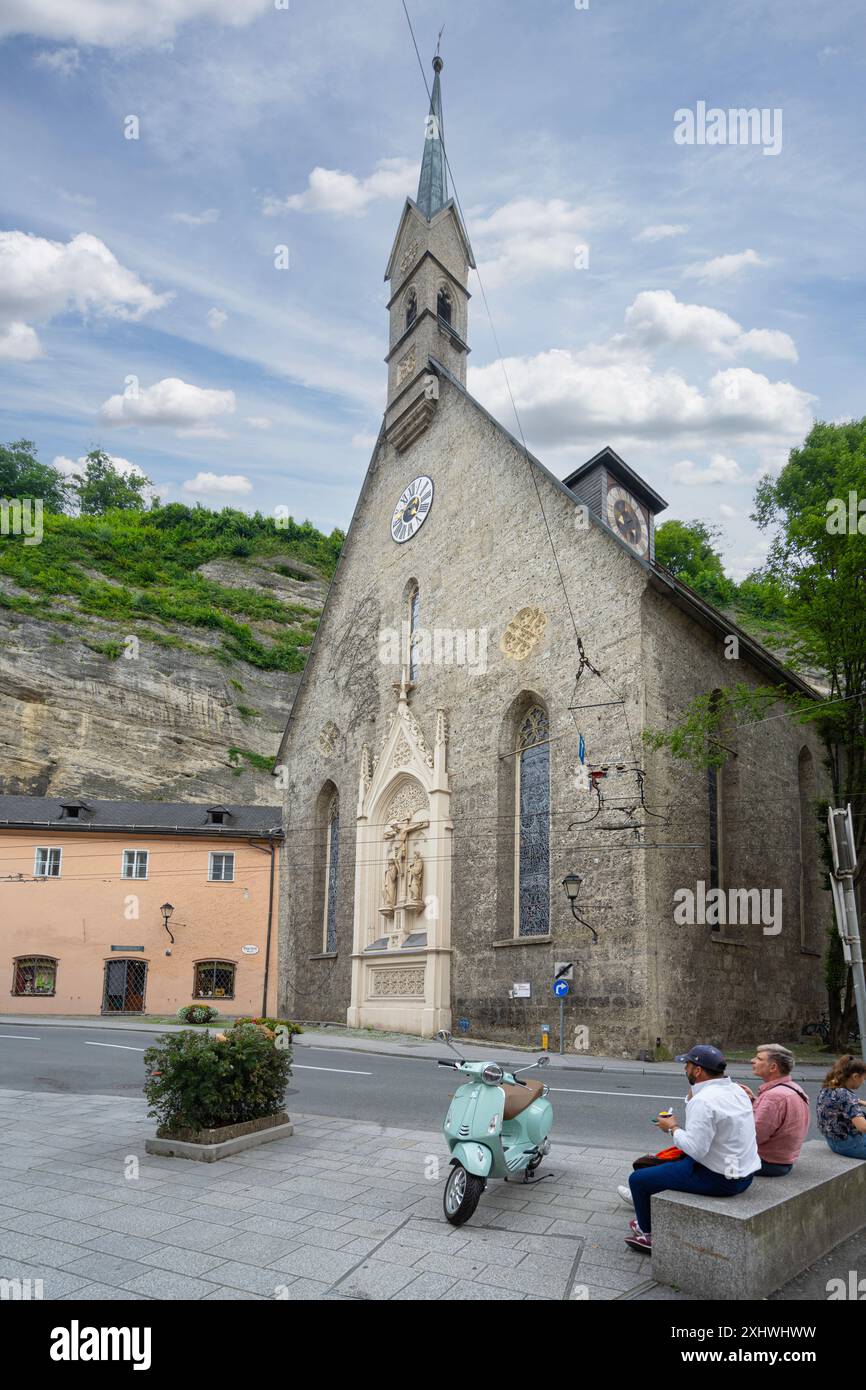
(524, 633)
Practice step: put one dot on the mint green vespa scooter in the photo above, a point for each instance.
(496, 1127)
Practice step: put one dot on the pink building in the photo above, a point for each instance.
(137, 907)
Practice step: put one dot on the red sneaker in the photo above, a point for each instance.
(640, 1241)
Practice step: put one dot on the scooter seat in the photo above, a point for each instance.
(519, 1098)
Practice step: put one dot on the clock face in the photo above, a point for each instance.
(412, 509)
(626, 516)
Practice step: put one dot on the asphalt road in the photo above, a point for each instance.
(604, 1110)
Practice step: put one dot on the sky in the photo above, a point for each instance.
(198, 199)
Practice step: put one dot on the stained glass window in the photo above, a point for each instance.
(331, 875)
(414, 609)
(533, 790)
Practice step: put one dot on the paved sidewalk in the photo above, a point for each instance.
(340, 1210)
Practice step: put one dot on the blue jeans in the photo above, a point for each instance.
(852, 1147)
(683, 1175)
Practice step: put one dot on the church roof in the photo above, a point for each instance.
(433, 183)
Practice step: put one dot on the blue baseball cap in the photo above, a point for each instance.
(703, 1055)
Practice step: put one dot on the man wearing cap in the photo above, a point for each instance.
(718, 1141)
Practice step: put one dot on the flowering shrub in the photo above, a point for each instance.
(197, 1013)
(195, 1081)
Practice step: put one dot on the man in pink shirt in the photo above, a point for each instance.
(781, 1111)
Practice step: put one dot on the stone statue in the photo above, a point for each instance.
(415, 893)
(390, 884)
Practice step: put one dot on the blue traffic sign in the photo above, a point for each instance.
(560, 988)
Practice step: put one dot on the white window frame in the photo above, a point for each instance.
(139, 878)
(224, 854)
(49, 850)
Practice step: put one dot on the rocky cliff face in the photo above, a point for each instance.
(83, 709)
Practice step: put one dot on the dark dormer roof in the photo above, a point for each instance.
(140, 817)
(608, 459)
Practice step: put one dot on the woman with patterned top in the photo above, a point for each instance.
(840, 1114)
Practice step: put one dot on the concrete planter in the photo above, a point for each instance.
(208, 1145)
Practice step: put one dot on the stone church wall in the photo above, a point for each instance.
(734, 983)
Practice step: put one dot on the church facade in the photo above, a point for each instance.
(468, 734)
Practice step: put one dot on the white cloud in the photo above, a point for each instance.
(18, 342)
(527, 238)
(727, 510)
(215, 319)
(566, 397)
(40, 279)
(367, 442)
(259, 422)
(113, 23)
(657, 317)
(209, 484)
(170, 402)
(330, 190)
(719, 470)
(63, 60)
(660, 231)
(723, 267)
(68, 467)
(195, 219)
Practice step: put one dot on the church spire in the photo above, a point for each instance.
(433, 183)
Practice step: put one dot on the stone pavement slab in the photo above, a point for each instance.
(296, 1227)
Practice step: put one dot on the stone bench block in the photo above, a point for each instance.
(746, 1247)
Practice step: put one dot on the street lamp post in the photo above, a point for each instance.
(167, 909)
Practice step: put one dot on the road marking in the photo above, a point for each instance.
(122, 1046)
(298, 1066)
(634, 1095)
(29, 1037)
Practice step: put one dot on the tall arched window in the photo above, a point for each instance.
(413, 608)
(411, 308)
(533, 824)
(443, 304)
(332, 857)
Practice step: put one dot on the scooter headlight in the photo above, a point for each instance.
(492, 1074)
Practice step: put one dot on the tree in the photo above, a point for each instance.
(22, 475)
(687, 550)
(815, 576)
(103, 488)
(817, 506)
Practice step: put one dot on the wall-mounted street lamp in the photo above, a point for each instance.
(166, 910)
(572, 883)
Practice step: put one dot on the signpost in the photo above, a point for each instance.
(842, 845)
(561, 989)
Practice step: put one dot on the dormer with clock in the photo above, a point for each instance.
(620, 498)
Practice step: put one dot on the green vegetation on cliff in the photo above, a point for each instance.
(136, 567)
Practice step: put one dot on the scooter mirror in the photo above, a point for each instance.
(544, 1061)
(443, 1036)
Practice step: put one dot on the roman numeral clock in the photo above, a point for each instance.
(628, 518)
(412, 509)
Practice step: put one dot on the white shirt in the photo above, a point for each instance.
(720, 1129)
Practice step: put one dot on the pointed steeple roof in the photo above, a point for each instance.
(433, 183)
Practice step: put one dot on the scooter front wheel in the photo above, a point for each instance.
(462, 1195)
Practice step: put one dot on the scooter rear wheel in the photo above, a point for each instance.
(462, 1194)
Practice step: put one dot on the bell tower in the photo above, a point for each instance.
(428, 271)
